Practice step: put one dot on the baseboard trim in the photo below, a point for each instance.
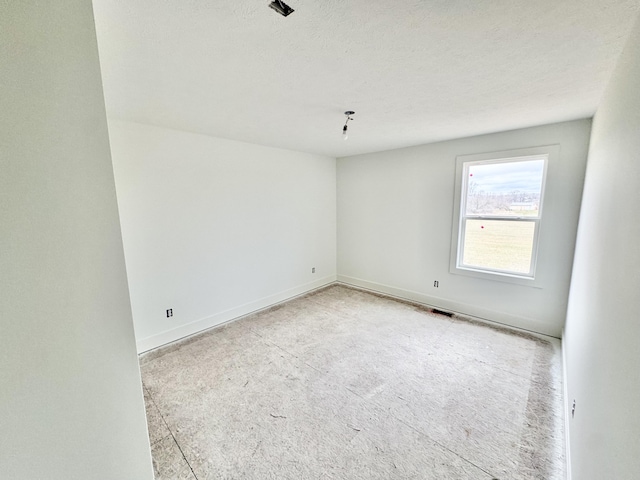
(567, 413)
(227, 316)
(482, 314)
(230, 315)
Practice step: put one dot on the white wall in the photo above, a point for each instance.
(602, 336)
(395, 214)
(216, 228)
(71, 404)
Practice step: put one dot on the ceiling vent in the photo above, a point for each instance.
(281, 7)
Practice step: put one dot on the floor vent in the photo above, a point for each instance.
(442, 312)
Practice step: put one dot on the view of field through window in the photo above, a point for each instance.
(502, 205)
(499, 245)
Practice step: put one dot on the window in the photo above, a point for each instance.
(499, 207)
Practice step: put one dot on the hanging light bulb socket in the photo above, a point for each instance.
(348, 113)
(281, 7)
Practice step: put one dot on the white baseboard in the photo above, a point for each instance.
(483, 314)
(217, 319)
(567, 412)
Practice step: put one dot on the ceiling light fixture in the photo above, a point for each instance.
(348, 113)
(281, 7)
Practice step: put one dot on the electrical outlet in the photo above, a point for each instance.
(169, 312)
(573, 409)
(436, 284)
(313, 270)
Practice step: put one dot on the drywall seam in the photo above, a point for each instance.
(567, 417)
(229, 315)
(486, 315)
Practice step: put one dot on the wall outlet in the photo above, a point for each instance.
(313, 270)
(436, 284)
(573, 409)
(169, 312)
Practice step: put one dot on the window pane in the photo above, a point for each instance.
(505, 189)
(499, 244)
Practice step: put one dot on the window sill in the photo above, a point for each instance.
(497, 276)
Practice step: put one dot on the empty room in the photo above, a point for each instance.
(319, 240)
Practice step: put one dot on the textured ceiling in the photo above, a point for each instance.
(414, 71)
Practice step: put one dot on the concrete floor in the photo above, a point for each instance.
(344, 384)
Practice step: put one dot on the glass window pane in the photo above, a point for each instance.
(498, 244)
(505, 189)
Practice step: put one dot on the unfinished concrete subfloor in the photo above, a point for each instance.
(345, 384)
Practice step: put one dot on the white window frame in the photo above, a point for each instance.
(549, 153)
